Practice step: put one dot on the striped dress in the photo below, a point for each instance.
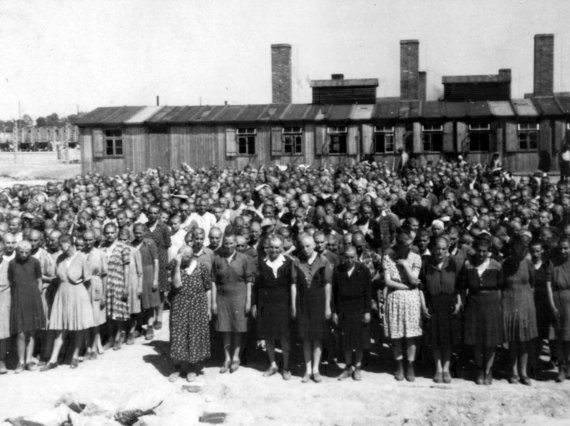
(118, 255)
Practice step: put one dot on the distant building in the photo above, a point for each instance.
(345, 123)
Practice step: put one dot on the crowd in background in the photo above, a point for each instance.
(450, 256)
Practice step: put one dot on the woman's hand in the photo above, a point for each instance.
(209, 315)
(155, 286)
(556, 313)
(335, 319)
(214, 308)
(293, 312)
(425, 312)
(457, 308)
(247, 307)
(328, 312)
(366, 319)
(254, 311)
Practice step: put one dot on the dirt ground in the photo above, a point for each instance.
(142, 370)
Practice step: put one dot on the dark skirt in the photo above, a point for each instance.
(544, 319)
(231, 312)
(562, 324)
(150, 298)
(26, 310)
(311, 321)
(444, 328)
(353, 332)
(483, 319)
(273, 311)
(519, 315)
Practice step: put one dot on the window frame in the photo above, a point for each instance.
(292, 137)
(340, 132)
(113, 141)
(528, 130)
(429, 132)
(384, 131)
(476, 131)
(247, 135)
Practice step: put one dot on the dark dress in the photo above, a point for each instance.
(26, 309)
(231, 291)
(561, 294)
(272, 296)
(519, 313)
(352, 297)
(544, 320)
(439, 286)
(189, 328)
(483, 317)
(161, 237)
(149, 253)
(311, 280)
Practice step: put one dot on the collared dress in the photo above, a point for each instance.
(231, 278)
(311, 281)
(97, 264)
(189, 327)
(272, 296)
(118, 256)
(71, 309)
(402, 318)
(519, 313)
(483, 316)
(26, 309)
(352, 298)
(440, 289)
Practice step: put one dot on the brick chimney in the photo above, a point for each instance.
(422, 86)
(409, 69)
(281, 73)
(543, 64)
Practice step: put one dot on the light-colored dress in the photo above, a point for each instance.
(97, 264)
(5, 297)
(71, 309)
(403, 307)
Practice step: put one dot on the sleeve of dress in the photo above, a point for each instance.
(206, 277)
(126, 255)
(167, 240)
(153, 250)
(328, 272)
(549, 270)
(37, 269)
(367, 290)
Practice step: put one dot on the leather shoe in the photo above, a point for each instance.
(344, 375)
(49, 366)
(357, 374)
(306, 378)
(74, 363)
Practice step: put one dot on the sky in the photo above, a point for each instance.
(63, 56)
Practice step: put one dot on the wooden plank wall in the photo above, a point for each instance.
(135, 145)
(86, 146)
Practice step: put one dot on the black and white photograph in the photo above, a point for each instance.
(284, 212)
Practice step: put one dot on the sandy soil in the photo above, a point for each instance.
(141, 371)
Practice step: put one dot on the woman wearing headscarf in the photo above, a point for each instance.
(439, 282)
(352, 301)
(519, 313)
(231, 299)
(482, 278)
(190, 314)
(403, 303)
(71, 309)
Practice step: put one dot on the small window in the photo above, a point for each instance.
(337, 140)
(114, 142)
(479, 137)
(528, 136)
(293, 140)
(432, 137)
(383, 139)
(246, 140)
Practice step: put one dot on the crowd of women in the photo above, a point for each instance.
(333, 260)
